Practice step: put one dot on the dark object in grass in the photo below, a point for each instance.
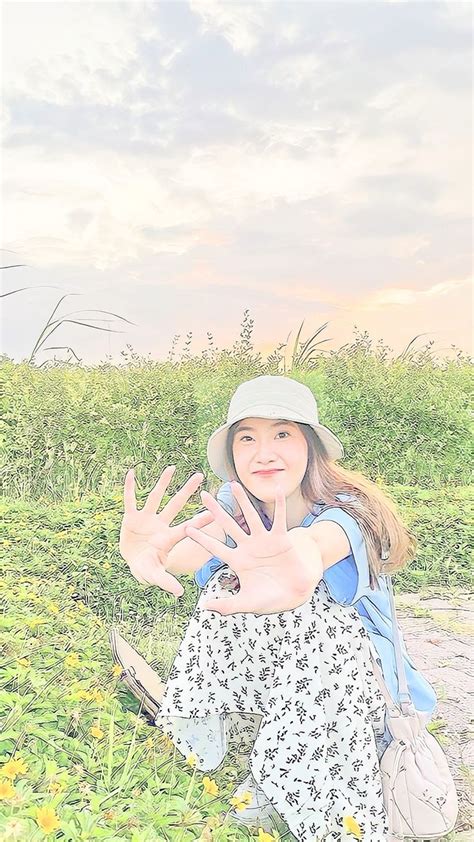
(139, 677)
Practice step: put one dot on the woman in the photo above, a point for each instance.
(276, 654)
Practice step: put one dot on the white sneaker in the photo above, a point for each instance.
(260, 813)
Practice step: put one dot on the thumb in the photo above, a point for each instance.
(229, 605)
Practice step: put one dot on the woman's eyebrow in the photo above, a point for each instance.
(274, 424)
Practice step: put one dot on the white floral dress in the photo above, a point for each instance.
(298, 691)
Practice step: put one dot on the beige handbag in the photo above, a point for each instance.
(418, 789)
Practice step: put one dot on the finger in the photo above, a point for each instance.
(279, 516)
(156, 494)
(223, 518)
(157, 576)
(178, 500)
(137, 576)
(129, 499)
(249, 512)
(198, 521)
(230, 605)
(138, 572)
(213, 545)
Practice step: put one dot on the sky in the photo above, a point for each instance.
(178, 163)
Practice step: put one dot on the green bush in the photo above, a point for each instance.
(79, 542)
(68, 430)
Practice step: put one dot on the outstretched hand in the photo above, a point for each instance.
(277, 571)
(147, 537)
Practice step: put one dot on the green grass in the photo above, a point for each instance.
(63, 585)
(122, 783)
(68, 435)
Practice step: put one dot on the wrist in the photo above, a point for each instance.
(308, 549)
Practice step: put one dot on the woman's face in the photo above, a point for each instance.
(269, 452)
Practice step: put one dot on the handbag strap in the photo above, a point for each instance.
(391, 705)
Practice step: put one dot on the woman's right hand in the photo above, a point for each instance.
(146, 537)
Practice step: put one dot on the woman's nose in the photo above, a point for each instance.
(265, 453)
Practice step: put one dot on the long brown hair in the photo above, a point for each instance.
(389, 543)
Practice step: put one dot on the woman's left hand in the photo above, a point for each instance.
(278, 569)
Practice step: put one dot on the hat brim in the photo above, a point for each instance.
(216, 445)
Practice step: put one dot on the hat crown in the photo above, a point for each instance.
(278, 395)
(269, 396)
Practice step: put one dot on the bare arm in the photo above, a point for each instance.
(187, 556)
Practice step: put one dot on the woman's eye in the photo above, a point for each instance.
(280, 433)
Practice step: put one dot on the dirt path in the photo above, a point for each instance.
(439, 634)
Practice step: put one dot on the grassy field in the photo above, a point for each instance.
(89, 766)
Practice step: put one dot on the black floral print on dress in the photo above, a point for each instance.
(297, 690)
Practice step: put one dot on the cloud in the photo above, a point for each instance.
(71, 50)
(403, 297)
(242, 25)
(119, 200)
(309, 152)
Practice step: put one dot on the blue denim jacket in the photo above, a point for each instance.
(349, 584)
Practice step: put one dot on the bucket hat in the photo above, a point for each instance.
(269, 396)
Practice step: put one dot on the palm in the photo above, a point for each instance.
(146, 537)
(273, 575)
(147, 530)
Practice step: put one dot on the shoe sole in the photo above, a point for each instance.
(269, 822)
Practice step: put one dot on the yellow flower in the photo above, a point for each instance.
(47, 819)
(23, 662)
(6, 790)
(96, 732)
(213, 822)
(21, 766)
(116, 670)
(35, 621)
(106, 565)
(191, 760)
(210, 786)
(350, 826)
(98, 698)
(53, 608)
(12, 768)
(83, 695)
(80, 605)
(149, 742)
(166, 742)
(72, 660)
(265, 837)
(55, 787)
(240, 802)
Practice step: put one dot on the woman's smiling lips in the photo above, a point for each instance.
(268, 473)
